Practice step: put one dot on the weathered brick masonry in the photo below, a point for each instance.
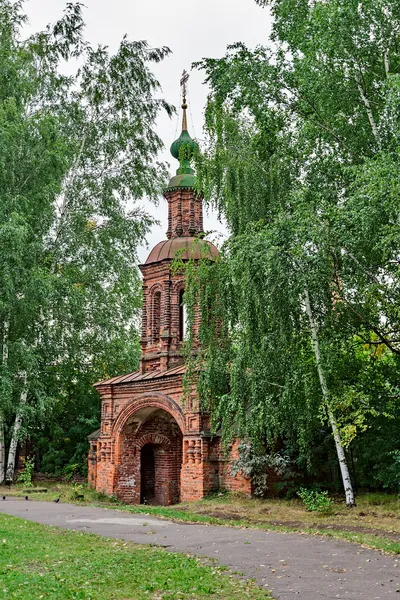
(155, 446)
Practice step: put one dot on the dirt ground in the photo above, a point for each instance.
(375, 513)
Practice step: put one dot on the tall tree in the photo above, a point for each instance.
(78, 153)
(296, 137)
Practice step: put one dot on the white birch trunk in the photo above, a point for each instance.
(2, 449)
(387, 62)
(6, 329)
(348, 488)
(63, 209)
(12, 451)
(367, 105)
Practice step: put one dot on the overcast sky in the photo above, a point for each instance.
(193, 29)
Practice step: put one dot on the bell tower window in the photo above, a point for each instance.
(156, 310)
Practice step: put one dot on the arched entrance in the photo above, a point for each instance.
(150, 458)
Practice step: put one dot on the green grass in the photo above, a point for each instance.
(67, 492)
(37, 562)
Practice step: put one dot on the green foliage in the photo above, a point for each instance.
(301, 159)
(315, 501)
(77, 492)
(70, 470)
(78, 153)
(26, 474)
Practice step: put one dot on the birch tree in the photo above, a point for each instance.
(78, 154)
(293, 130)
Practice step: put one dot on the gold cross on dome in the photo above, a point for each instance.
(184, 80)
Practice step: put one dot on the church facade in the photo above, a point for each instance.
(155, 444)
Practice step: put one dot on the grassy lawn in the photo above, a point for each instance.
(46, 562)
(374, 522)
(51, 490)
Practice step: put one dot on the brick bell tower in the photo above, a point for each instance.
(163, 310)
(155, 445)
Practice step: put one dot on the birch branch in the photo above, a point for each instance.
(68, 184)
(6, 332)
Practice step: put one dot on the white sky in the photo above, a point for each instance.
(193, 29)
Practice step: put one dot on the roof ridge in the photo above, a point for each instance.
(137, 376)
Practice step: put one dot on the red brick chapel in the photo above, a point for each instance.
(155, 445)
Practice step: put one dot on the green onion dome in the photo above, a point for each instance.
(183, 150)
(186, 142)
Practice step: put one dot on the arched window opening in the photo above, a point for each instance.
(156, 316)
(182, 316)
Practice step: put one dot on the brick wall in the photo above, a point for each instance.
(203, 466)
(92, 464)
(162, 346)
(185, 213)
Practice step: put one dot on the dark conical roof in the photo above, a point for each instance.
(184, 248)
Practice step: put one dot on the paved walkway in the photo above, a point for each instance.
(291, 566)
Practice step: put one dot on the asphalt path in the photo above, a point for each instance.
(290, 565)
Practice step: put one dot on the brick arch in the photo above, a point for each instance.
(158, 439)
(178, 285)
(156, 287)
(152, 399)
(130, 479)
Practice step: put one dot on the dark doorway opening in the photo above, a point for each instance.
(147, 475)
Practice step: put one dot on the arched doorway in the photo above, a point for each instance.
(147, 475)
(149, 458)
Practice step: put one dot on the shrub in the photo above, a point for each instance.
(70, 470)
(76, 493)
(315, 501)
(256, 466)
(25, 476)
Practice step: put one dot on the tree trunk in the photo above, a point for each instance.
(63, 209)
(387, 62)
(6, 329)
(367, 105)
(12, 452)
(2, 449)
(348, 488)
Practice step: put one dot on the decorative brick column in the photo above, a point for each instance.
(105, 467)
(196, 474)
